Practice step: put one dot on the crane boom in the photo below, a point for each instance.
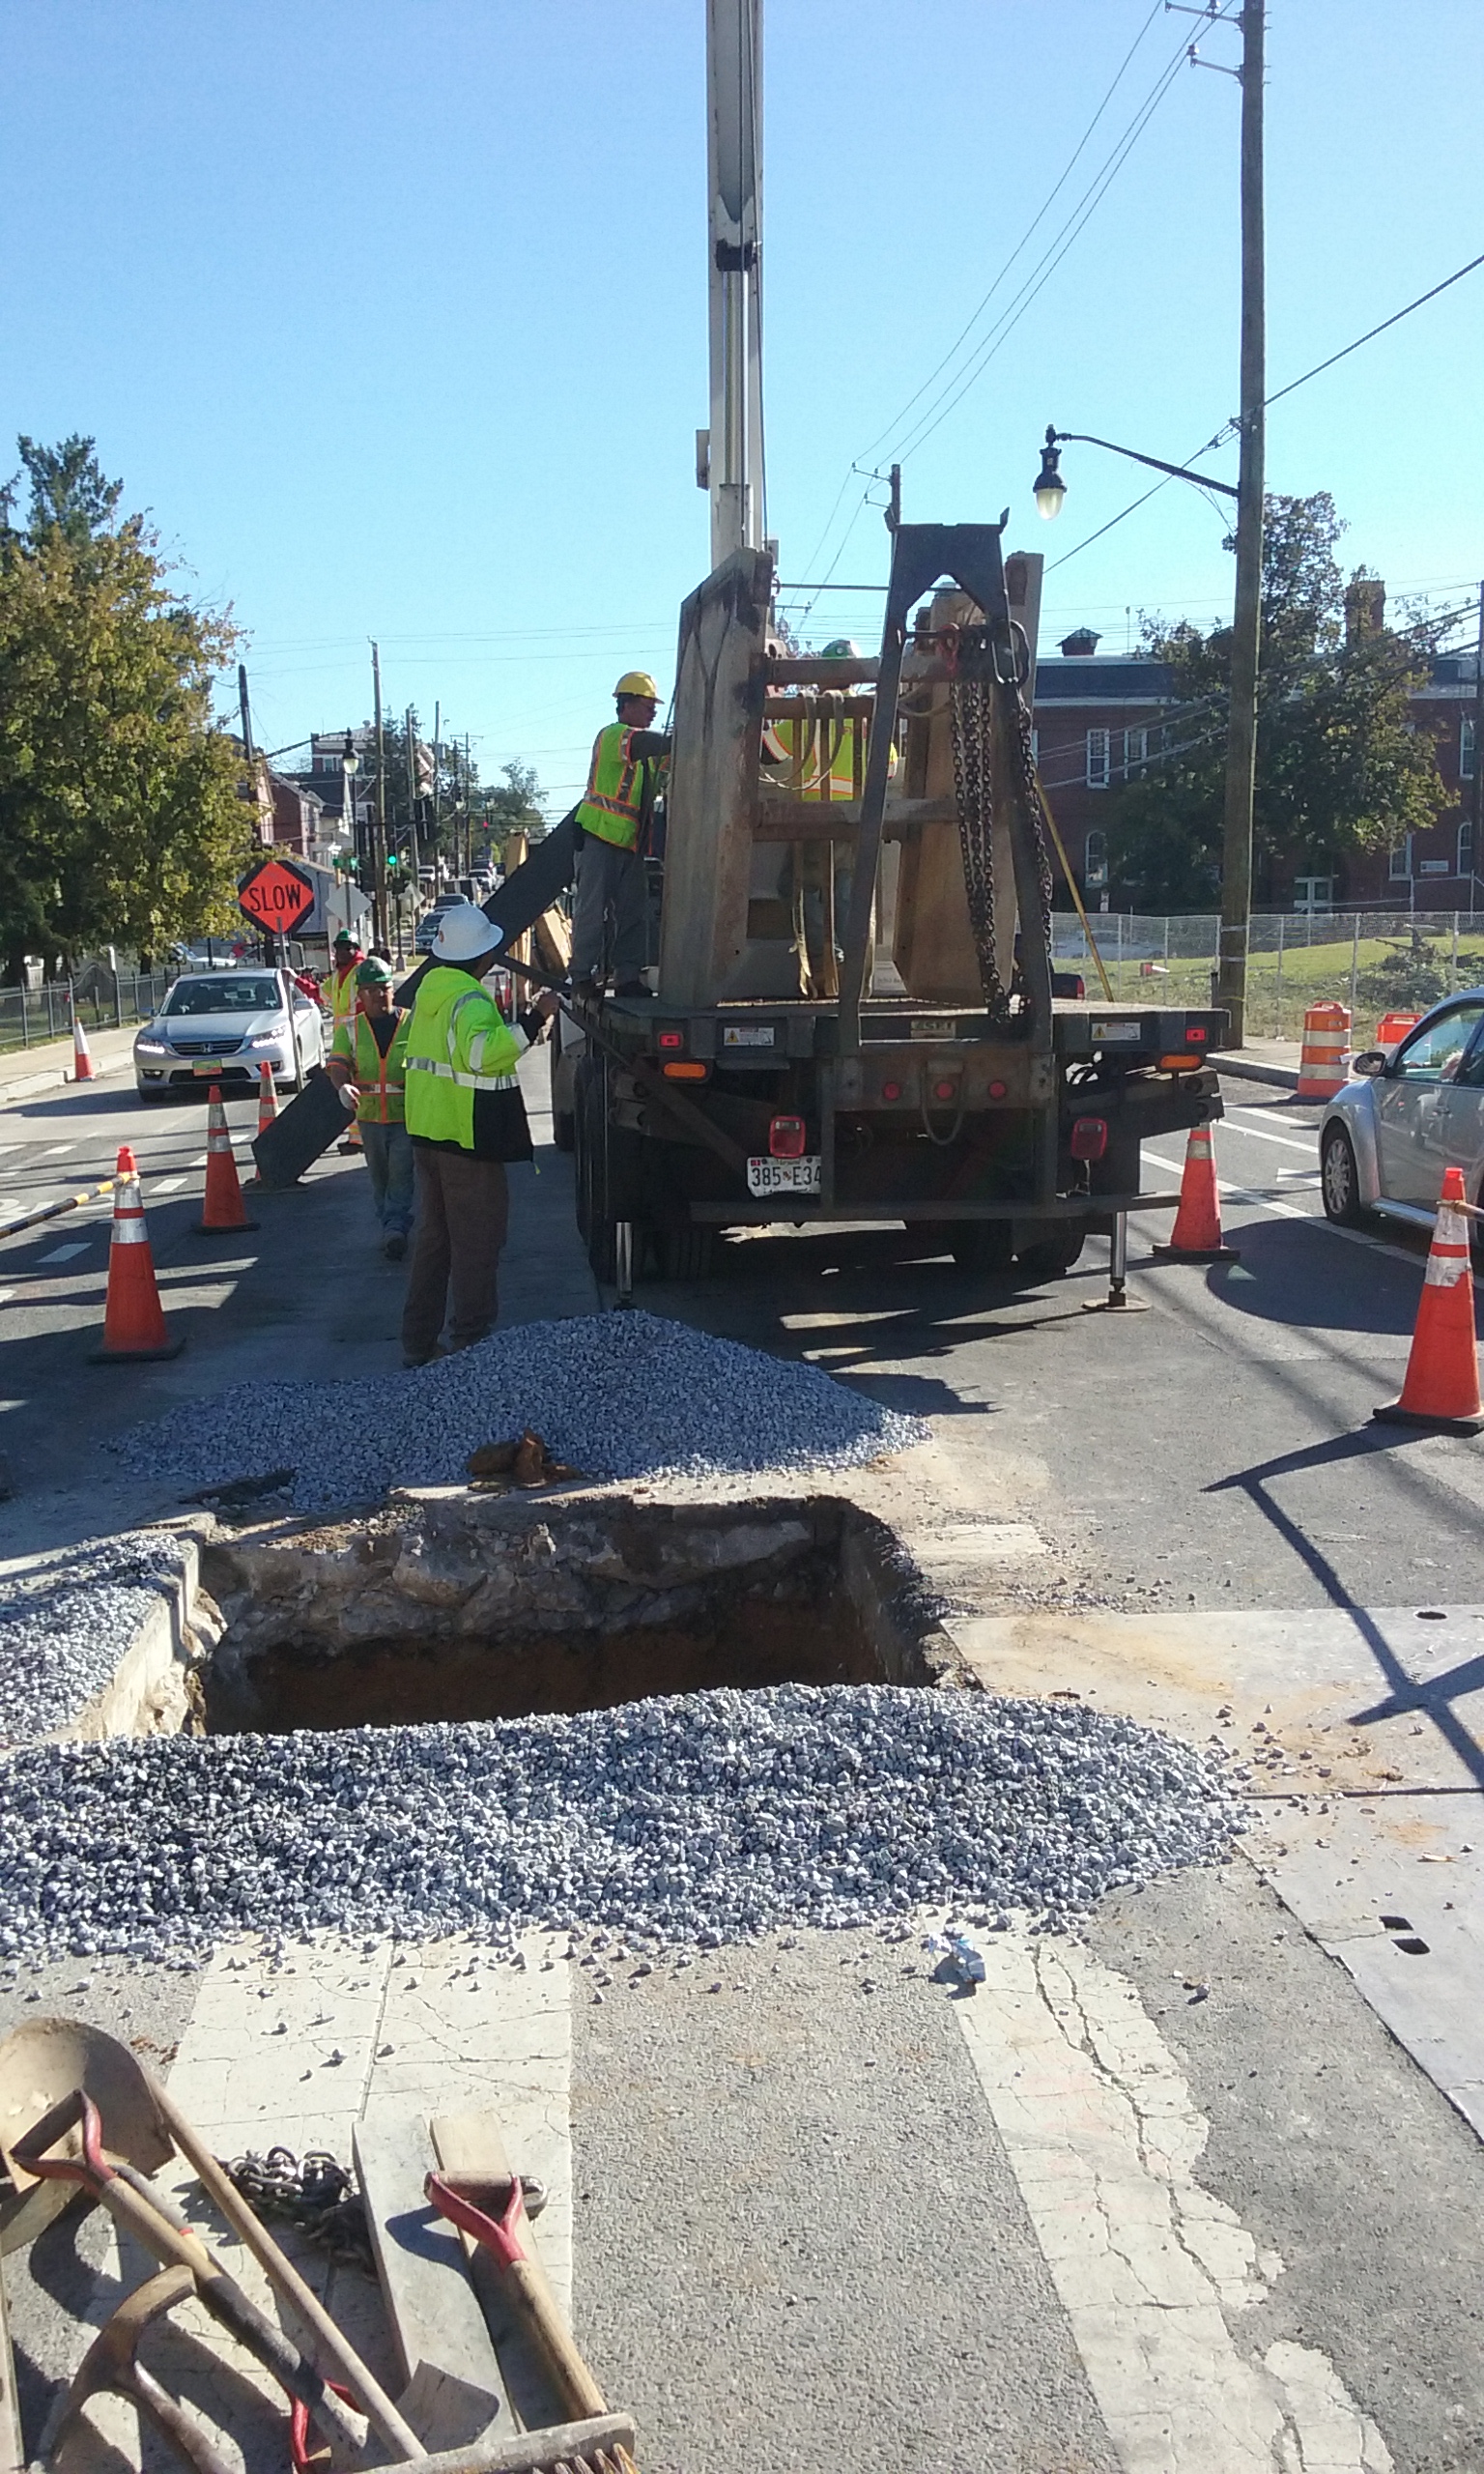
(731, 469)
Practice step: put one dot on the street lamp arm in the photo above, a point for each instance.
(1156, 463)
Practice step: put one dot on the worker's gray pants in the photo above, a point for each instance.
(608, 881)
(462, 1210)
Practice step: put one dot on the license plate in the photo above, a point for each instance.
(934, 1027)
(1106, 1033)
(783, 1176)
(210, 1066)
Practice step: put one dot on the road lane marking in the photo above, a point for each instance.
(56, 1150)
(1260, 1134)
(165, 1185)
(1290, 1211)
(63, 1253)
(1104, 2137)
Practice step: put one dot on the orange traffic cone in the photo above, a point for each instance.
(133, 1325)
(1442, 1385)
(82, 1055)
(268, 1098)
(1196, 1236)
(353, 1141)
(222, 1211)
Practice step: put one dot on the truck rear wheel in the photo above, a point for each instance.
(982, 1245)
(687, 1253)
(1053, 1255)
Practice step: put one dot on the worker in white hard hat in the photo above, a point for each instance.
(629, 761)
(466, 1117)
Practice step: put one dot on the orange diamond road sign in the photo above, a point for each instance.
(275, 895)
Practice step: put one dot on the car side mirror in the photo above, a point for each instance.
(1370, 1062)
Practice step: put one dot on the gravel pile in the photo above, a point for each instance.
(615, 1396)
(62, 1630)
(680, 1823)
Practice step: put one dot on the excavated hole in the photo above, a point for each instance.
(464, 1607)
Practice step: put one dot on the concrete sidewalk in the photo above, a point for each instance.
(47, 1064)
(1274, 1061)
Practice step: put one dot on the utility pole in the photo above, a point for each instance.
(438, 780)
(1247, 614)
(412, 799)
(468, 810)
(379, 832)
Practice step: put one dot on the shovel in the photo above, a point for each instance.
(47, 2061)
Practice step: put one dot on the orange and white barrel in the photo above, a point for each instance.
(1323, 1062)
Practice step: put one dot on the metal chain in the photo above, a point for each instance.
(972, 716)
(316, 2195)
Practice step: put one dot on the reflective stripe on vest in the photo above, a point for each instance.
(378, 1078)
(441, 1084)
(613, 805)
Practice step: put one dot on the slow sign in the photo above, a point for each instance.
(277, 896)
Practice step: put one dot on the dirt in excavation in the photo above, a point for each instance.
(413, 1683)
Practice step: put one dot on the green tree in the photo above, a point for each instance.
(122, 812)
(1339, 766)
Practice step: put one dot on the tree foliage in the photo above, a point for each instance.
(1339, 768)
(121, 817)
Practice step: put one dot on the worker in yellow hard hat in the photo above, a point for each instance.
(629, 761)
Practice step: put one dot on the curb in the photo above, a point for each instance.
(26, 1086)
(1283, 1077)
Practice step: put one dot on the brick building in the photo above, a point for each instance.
(1099, 717)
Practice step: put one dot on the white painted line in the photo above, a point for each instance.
(1288, 1210)
(63, 1253)
(198, 1163)
(1260, 1134)
(1104, 2137)
(165, 1185)
(56, 1150)
(6, 1295)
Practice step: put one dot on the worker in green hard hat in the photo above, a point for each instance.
(368, 1062)
(842, 648)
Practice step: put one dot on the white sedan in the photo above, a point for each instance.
(224, 1026)
(1410, 1112)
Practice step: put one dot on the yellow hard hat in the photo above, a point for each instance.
(637, 682)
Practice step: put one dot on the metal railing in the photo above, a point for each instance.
(100, 999)
(1375, 962)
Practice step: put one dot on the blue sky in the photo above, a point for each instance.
(393, 311)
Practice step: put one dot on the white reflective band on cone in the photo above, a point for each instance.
(1449, 1261)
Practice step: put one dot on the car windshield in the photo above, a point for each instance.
(225, 992)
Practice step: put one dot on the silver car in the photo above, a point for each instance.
(224, 1026)
(1411, 1111)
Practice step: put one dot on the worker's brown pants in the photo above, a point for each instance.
(463, 1206)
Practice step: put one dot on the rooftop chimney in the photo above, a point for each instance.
(1080, 643)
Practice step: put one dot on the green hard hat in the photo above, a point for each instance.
(375, 973)
(345, 937)
(841, 648)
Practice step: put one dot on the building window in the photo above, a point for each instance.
(1135, 751)
(1465, 749)
(1466, 847)
(1098, 759)
(1094, 861)
(1401, 861)
(1313, 893)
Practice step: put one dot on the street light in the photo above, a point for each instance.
(1242, 704)
(1051, 490)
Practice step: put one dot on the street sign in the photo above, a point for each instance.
(277, 896)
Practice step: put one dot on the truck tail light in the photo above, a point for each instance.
(672, 1039)
(786, 1138)
(891, 1090)
(1196, 1035)
(945, 1088)
(1089, 1137)
(685, 1073)
(1180, 1063)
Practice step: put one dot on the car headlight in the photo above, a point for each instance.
(143, 1046)
(273, 1038)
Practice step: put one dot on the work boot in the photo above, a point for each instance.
(436, 1350)
(395, 1246)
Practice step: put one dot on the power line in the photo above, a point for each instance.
(1372, 331)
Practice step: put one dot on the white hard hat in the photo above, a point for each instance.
(464, 933)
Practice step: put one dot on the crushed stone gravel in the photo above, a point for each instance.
(615, 1396)
(686, 1822)
(65, 1626)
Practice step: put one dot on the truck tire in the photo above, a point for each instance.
(687, 1253)
(1052, 1256)
(982, 1246)
(564, 1120)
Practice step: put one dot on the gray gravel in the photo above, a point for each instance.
(684, 1821)
(64, 1627)
(615, 1396)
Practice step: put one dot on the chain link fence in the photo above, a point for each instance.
(100, 998)
(1374, 961)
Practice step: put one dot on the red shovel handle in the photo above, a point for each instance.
(500, 2234)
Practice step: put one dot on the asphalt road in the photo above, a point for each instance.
(1216, 1450)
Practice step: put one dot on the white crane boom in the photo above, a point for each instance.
(730, 465)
